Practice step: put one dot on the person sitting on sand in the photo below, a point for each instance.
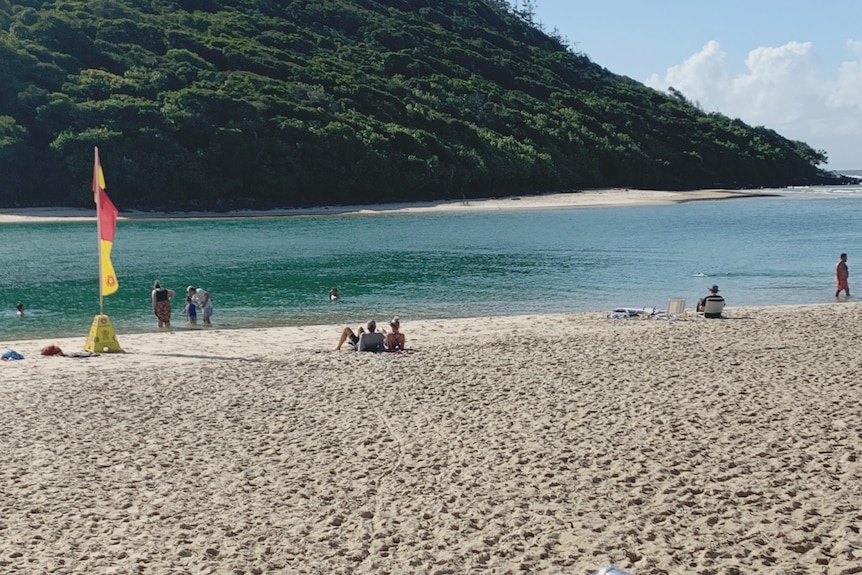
(394, 339)
(348, 334)
(712, 297)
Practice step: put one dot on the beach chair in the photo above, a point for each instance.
(370, 342)
(713, 306)
(675, 309)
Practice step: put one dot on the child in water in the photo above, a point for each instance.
(190, 311)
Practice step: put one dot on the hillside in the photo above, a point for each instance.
(310, 102)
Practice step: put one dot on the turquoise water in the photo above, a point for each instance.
(278, 271)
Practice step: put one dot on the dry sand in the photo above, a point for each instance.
(530, 444)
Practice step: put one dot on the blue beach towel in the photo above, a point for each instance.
(11, 354)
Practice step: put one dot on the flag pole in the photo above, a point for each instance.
(102, 337)
(97, 192)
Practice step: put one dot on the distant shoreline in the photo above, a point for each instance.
(587, 198)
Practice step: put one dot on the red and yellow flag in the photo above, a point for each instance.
(106, 214)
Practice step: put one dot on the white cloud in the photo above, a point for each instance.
(781, 85)
(848, 88)
(701, 75)
(786, 88)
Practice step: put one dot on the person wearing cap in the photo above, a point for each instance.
(202, 301)
(713, 296)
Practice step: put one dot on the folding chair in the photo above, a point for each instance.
(713, 306)
(675, 309)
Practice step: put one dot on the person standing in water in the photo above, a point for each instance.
(162, 303)
(203, 301)
(19, 309)
(191, 311)
(841, 275)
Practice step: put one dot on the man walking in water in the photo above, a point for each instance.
(841, 275)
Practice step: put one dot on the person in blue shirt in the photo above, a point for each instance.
(190, 311)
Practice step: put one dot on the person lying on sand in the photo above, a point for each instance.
(348, 334)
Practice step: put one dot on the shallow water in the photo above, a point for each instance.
(278, 271)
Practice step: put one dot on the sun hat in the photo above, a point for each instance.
(190, 288)
(714, 289)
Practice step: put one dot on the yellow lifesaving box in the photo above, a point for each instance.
(102, 338)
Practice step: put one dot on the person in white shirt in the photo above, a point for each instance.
(204, 303)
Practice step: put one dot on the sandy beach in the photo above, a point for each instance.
(586, 198)
(530, 444)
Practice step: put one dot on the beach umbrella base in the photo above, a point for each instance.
(102, 338)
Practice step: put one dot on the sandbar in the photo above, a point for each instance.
(585, 198)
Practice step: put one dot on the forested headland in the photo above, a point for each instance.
(265, 103)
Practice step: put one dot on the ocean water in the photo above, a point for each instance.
(278, 271)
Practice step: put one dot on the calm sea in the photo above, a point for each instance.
(278, 271)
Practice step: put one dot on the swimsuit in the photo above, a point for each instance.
(163, 306)
(841, 279)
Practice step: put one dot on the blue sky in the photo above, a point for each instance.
(794, 66)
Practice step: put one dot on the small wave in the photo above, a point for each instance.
(820, 191)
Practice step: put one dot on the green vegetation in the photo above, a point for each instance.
(266, 103)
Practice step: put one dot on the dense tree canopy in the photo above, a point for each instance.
(309, 102)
